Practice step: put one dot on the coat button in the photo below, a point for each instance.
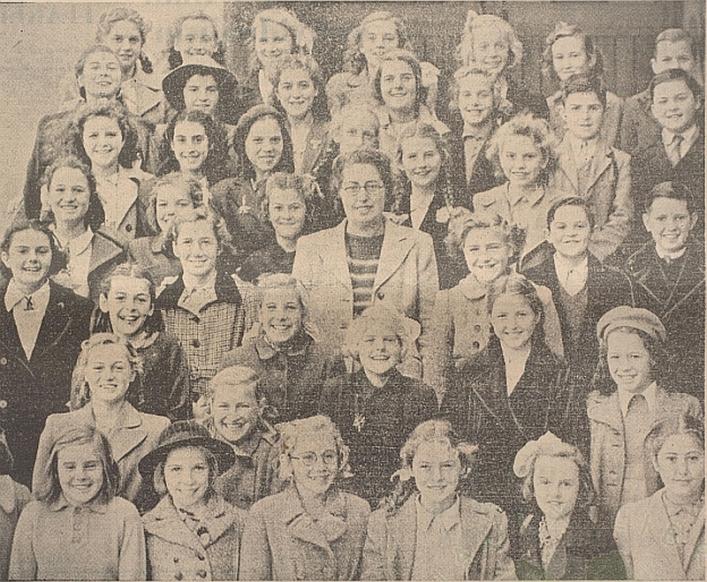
(178, 576)
(129, 227)
(3, 404)
(380, 295)
(201, 573)
(195, 343)
(476, 345)
(3, 361)
(201, 557)
(176, 559)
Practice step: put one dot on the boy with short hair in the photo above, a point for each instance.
(674, 49)
(591, 169)
(582, 288)
(668, 273)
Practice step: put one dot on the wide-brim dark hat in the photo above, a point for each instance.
(174, 81)
(186, 433)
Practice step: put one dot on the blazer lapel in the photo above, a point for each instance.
(315, 144)
(567, 164)
(607, 412)
(405, 534)
(129, 434)
(334, 258)
(697, 532)
(164, 522)
(55, 323)
(104, 250)
(600, 163)
(300, 524)
(9, 336)
(475, 529)
(396, 247)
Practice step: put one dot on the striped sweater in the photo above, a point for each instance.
(363, 254)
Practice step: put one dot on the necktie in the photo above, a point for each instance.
(674, 149)
(584, 157)
(29, 306)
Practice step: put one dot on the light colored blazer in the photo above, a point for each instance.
(406, 278)
(389, 553)
(646, 544)
(135, 434)
(608, 193)
(608, 450)
(282, 541)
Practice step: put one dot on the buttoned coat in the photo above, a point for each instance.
(608, 449)
(134, 435)
(174, 552)
(389, 553)
(608, 193)
(134, 224)
(32, 389)
(406, 278)
(645, 540)
(610, 125)
(282, 541)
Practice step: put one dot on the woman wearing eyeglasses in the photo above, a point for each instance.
(366, 259)
(311, 530)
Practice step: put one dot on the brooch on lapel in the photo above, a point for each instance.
(359, 421)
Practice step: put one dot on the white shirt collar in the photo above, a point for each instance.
(572, 277)
(447, 519)
(576, 145)
(76, 246)
(190, 284)
(689, 137)
(650, 394)
(13, 296)
(670, 255)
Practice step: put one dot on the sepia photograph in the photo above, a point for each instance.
(352, 290)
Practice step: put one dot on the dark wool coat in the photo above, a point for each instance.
(32, 390)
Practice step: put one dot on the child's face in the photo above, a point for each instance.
(68, 195)
(358, 132)
(436, 469)
(421, 161)
(673, 55)
(186, 474)
(398, 85)
(377, 38)
(103, 141)
(108, 373)
(490, 49)
(486, 253)
(264, 144)
(513, 320)
(362, 194)
(569, 57)
(80, 471)
(125, 40)
(235, 411)
(196, 248)
(556, 486)
(29, 258)
(281, 315)
(128, 304)
(201, 93)
(669, 222)
(272, 41)
(379, 348)
(681, 466)
(570, 231)
(674, 106)
(296, 92)
(102, 75)
(629, 361)
(521, 161)
(170, 202)
(315, 463)
(475, 99)
(190, 145)
(583, 113)
(197, 37)
(287, 211)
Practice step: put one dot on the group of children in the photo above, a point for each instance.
(420, 340)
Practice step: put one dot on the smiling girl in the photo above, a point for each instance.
(78, 529)
(194, 35)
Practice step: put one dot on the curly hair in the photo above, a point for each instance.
(525, 125)
(564, 30)
(109, 18)
(411, 60)
(354, 59)
(83, 57)
(305, 186)
(429, 431)
(474, 22)
(517, 284)
(58, 261)
(111, 110)
(467, 71)
(192, 187)
(174, 57)
(319, 109)
(374, 158)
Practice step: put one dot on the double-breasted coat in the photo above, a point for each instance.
(30, 390)
(282, 541)
(645, 540)
(608, 448)
(607, 191)
(175, 552)
(406, 278)
(134, 435)
(389, 553)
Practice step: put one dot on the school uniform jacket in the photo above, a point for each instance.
(608, 451)
(608, 193)
(106, 253)
(32, 389)
(134, 435)
(582, 554)
(389, 553)
(643, 536)
(406, 277)
(175, 552)
(282, 541)
(610, 124)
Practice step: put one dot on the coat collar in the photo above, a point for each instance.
(316, 140)
(128, 432)
(226, 291)
(603, 155)
(266, 352)
(105, 249)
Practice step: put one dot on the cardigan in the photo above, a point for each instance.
(389, 553)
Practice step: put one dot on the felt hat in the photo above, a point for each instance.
(186, 433)
(634, 317)
(174, 81)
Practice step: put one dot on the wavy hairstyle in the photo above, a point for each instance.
(517, 284)
(319, 109)
(671, 425)
(192, 187)
(563, 30)
(354, 59)
(411, 60)
(109, 18)
(81, 63)
(305, 186)
(174, 57)
(474, 22)
(374, 158)
(58, 261)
